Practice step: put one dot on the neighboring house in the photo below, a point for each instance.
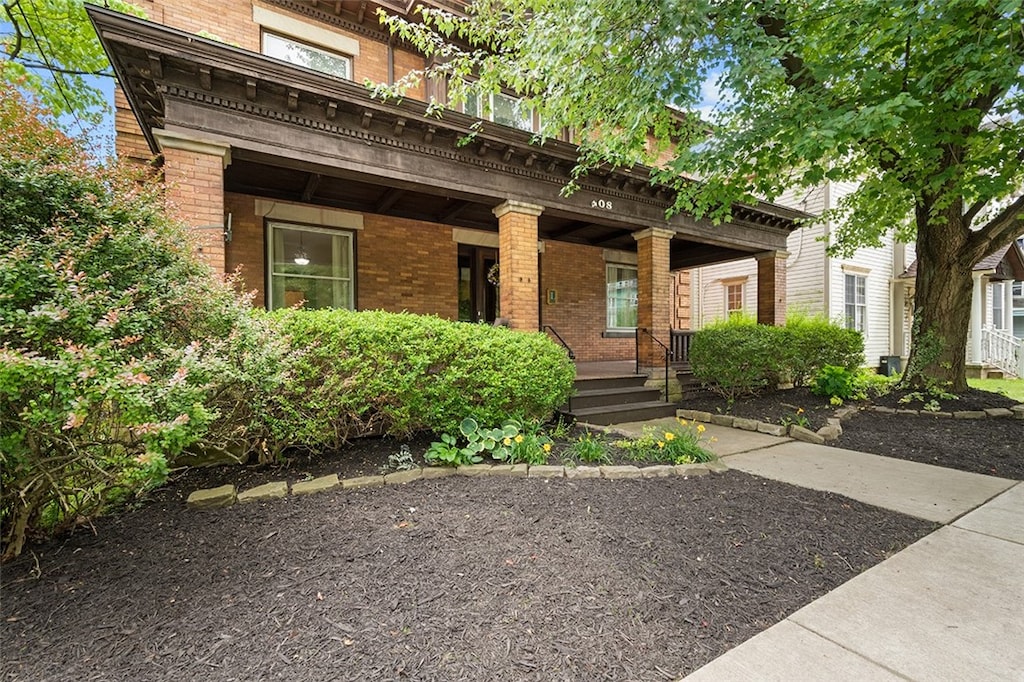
(862, 292)
(1017, 292)
(274, 152)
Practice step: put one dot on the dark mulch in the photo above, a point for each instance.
(451, 579)
(985, 446)
(776, 407)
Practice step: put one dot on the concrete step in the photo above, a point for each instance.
(614, 396)
(617, 414)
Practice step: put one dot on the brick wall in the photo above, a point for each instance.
(577, 274)
(654, 293)
(401, 265)
(517, 241)
(771, 290)
(195, 195)
(407, 265)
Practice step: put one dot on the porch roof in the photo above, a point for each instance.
(1001, 264)
(303, 136)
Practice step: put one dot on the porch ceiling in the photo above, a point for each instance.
(303, 136)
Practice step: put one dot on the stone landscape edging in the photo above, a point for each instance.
(833, 427)
(228, 495)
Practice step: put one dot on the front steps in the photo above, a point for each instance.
(617, 399)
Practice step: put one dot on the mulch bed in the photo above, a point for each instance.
(986, 446)
(451, 579)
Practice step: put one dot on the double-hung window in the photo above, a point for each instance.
(734, 299)
(313, 266)
(856, 301)
(500, 108)
(621, 295)
(303, 54)
(998, 311)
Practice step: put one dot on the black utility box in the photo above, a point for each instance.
(889, 365)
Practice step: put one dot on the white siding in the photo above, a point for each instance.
(815, 282)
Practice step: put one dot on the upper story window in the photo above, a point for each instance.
(500, 108)
(309, 56)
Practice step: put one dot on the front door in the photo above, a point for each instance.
(478, 296)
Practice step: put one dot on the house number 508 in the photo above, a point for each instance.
(606, 204)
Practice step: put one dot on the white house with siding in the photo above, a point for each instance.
(863, 292)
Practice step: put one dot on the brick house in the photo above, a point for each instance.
(273, 150)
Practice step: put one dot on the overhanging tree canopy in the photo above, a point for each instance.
(919, 102)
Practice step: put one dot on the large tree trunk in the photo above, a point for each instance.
(942, 304)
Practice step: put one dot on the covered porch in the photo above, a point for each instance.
(274, 165)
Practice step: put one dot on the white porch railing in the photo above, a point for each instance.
(1002, 350)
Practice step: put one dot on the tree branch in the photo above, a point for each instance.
(18, 37)
(999, 231)
(796, 71)
(972, 212)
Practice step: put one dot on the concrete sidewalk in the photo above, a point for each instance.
(949, 607)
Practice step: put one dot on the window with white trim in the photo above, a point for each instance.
(310, 56)
(622, 292)
(998, 298)
(856, 302)
(734, 299)
(312, 266)
(500, 108)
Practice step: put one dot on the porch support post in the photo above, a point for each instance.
(654, 293)
(771, 287)
(1008, 306)
(517, 253)
(977, 316)
(194, 180)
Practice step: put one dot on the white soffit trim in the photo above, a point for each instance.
(855, 269)
(311, 215)
(296, 28)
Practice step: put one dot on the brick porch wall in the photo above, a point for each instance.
(771, 288)
(195, 195)
(577, 274)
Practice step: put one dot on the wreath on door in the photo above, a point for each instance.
(494, 274)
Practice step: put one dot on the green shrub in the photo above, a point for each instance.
(398, 372)
(736, 357)
(590, 449)
(837, 383)
(810, 343)
(118, 349)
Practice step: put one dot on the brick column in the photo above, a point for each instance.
(654, 293)
(517, 253)
(194, 179)
(771, 287)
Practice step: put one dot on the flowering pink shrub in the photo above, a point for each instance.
(118, 348)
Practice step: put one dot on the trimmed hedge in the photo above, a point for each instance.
(738, 357)
(396, 372)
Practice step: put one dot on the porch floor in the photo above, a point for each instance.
(605, 369)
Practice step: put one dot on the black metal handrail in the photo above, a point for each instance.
(668, 354)
(549, 328)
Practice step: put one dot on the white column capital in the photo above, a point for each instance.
(513, 206)
(654, 232)
(173, 139)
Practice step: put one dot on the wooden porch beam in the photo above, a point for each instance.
(388, 199)
(312, 182)
(566, 230)
(453, 212)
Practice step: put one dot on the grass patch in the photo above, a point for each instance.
(1011, 388)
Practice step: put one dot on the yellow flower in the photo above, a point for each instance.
(669, 435)
(507, 441)
(799, 410)
(701, 428)
(661, 444)
(682, 421)
(519, 438)
(547, 447)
